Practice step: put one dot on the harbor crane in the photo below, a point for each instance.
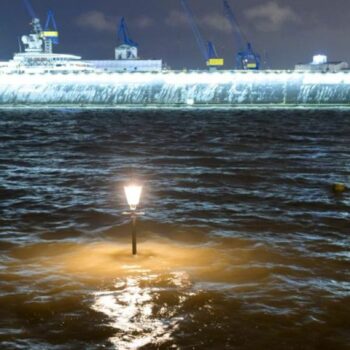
(128, 48)
(123, 34)
(246, 57)
(49, 36)
(206, 48)
(51, 31)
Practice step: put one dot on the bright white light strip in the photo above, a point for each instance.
(326, 79)
(178, 78)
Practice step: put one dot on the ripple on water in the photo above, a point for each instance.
(243, 246)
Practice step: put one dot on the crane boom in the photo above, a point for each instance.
(212, 54)
(207, 49)
(235, 26)
(197, 34)
(30, 9)
(35, 19)
(246, 58)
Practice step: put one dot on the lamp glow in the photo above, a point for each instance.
(320, 59)
(133, 195)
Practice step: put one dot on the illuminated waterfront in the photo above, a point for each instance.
(176, 88)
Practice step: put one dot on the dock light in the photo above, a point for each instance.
(133, 196)
(319, 59)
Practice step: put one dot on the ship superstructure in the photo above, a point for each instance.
(36, 59)
(45, 63)
(37, 54)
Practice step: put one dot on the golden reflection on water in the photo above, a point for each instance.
(109, 260)
(147, 295)
(131, 308)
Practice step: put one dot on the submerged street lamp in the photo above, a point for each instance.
(133, 196)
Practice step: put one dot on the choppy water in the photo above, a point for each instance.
(243, 245)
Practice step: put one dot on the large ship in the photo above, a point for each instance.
(38, 77)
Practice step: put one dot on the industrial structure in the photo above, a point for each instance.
(246, 57)
(37, 56)
(320, 63)
(39, 77)
(128, 49)
(50, 33)
(41, 40)
(126, 55)
(206, 48)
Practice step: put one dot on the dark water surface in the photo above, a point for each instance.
(243, 245)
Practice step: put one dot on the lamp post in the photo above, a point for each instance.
(133, 196)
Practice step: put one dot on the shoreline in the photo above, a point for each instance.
(177, 107)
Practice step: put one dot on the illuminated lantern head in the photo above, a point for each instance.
(133, 195)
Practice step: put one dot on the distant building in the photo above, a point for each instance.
(128, 65)
(127, 60)
(320, 64)
(126, 52)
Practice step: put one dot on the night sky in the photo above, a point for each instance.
(288, 31)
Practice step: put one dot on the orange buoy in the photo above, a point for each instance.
(339, 188)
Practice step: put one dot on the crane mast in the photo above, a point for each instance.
(50, 32)
(123, 34)
(128, 48)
